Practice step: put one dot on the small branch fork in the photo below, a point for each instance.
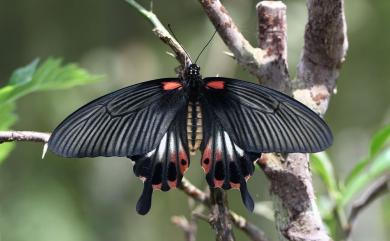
(162, 33)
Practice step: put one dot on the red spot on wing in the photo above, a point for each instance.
(217, 84)
(218, 183)
(206, 157)
(171, 85)
(235, 185)
(183, 159)
(172, 184)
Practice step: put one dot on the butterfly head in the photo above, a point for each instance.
(193, 71)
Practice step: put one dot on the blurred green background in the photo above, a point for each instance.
(94, 199)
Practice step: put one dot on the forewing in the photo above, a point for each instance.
(127, 122)
(259, 119)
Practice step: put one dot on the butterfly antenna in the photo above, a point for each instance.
(196, 60)
(174, 36)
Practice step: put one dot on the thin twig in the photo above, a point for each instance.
(253, 232)
(188, 227)
(379, 187)
(246, 55)
(220, 215)
(160, 31)
(192, 191)
(9, 136)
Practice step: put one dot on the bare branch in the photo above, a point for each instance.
(188, 188)
(246, 55)
(188, 227)
(9, 136)
(272, 32)
(160, 31)
(220, 215)
(291, 185)
(253, 232)
(324, 52)
(379, 187)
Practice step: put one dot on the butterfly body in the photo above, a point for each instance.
(159, 123)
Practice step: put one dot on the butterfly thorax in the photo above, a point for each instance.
(194, 83)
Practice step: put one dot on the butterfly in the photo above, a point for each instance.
(158, 124)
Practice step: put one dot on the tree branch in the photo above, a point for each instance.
(161, 32)
(325, 45)
(324, 52)
(380, 187)
(272, 37)
(193, 192)
(188, 227)
(9, 136)
(247, 56)
(253, 232)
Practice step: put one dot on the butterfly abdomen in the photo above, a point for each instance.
(194, 126)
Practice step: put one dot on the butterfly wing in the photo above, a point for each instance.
(259, 119)
(145, 122)
(163, 167)
(126, 122)
(243, 120)
(225, 163)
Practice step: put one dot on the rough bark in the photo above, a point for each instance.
(297, 215)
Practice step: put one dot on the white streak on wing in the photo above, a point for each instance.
(172, 142)
(218, 140)
(151, 153)
(229, 145)
(162, 148)
(239, 150)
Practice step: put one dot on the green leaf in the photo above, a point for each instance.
(50, 75)
(5, 150)
(380, 139)
(24, 74)
(378, 142)
(380, 165)
(359, 168)
(322, 166)
(7, 119)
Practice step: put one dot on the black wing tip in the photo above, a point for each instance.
(145, 201)
(246, 197)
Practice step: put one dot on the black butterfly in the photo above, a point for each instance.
(159, 123)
